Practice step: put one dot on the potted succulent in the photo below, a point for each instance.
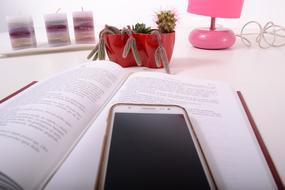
(139, 45)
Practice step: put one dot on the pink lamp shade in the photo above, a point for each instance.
(212, 37)
(216, 8)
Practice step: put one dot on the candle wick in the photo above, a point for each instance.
(58, 10)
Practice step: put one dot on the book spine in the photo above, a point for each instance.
(262, 145)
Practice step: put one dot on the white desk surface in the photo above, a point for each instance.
(257, 73)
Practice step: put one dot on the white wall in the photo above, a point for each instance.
(124, 12)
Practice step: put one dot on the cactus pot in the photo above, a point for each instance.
(146, 45)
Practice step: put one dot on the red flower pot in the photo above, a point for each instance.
(146, 45)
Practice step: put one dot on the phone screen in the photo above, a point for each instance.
(153, 151)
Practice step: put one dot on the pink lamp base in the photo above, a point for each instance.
(205, 38)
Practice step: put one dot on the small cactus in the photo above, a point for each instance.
(141, 28)
(166, 21)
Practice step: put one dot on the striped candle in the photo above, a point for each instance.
(57, 29)
(83, 27)
(21, 32)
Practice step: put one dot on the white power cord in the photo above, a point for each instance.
(268, 36)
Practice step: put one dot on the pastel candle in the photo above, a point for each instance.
(83, 27)
(21, 32)
(57, 29)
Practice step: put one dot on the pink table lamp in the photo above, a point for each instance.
(214, 38)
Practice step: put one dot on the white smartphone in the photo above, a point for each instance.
(152, 147)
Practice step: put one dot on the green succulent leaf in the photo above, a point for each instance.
(157, 57)
(164, 59)
(135, 53)
(127, 48)
(141, 28)
(94, 50)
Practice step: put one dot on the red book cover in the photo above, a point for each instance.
(261, 143)
(18, 91)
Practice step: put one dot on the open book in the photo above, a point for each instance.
(41, 126)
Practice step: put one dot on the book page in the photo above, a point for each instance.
(228, 142)
(41, 125)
